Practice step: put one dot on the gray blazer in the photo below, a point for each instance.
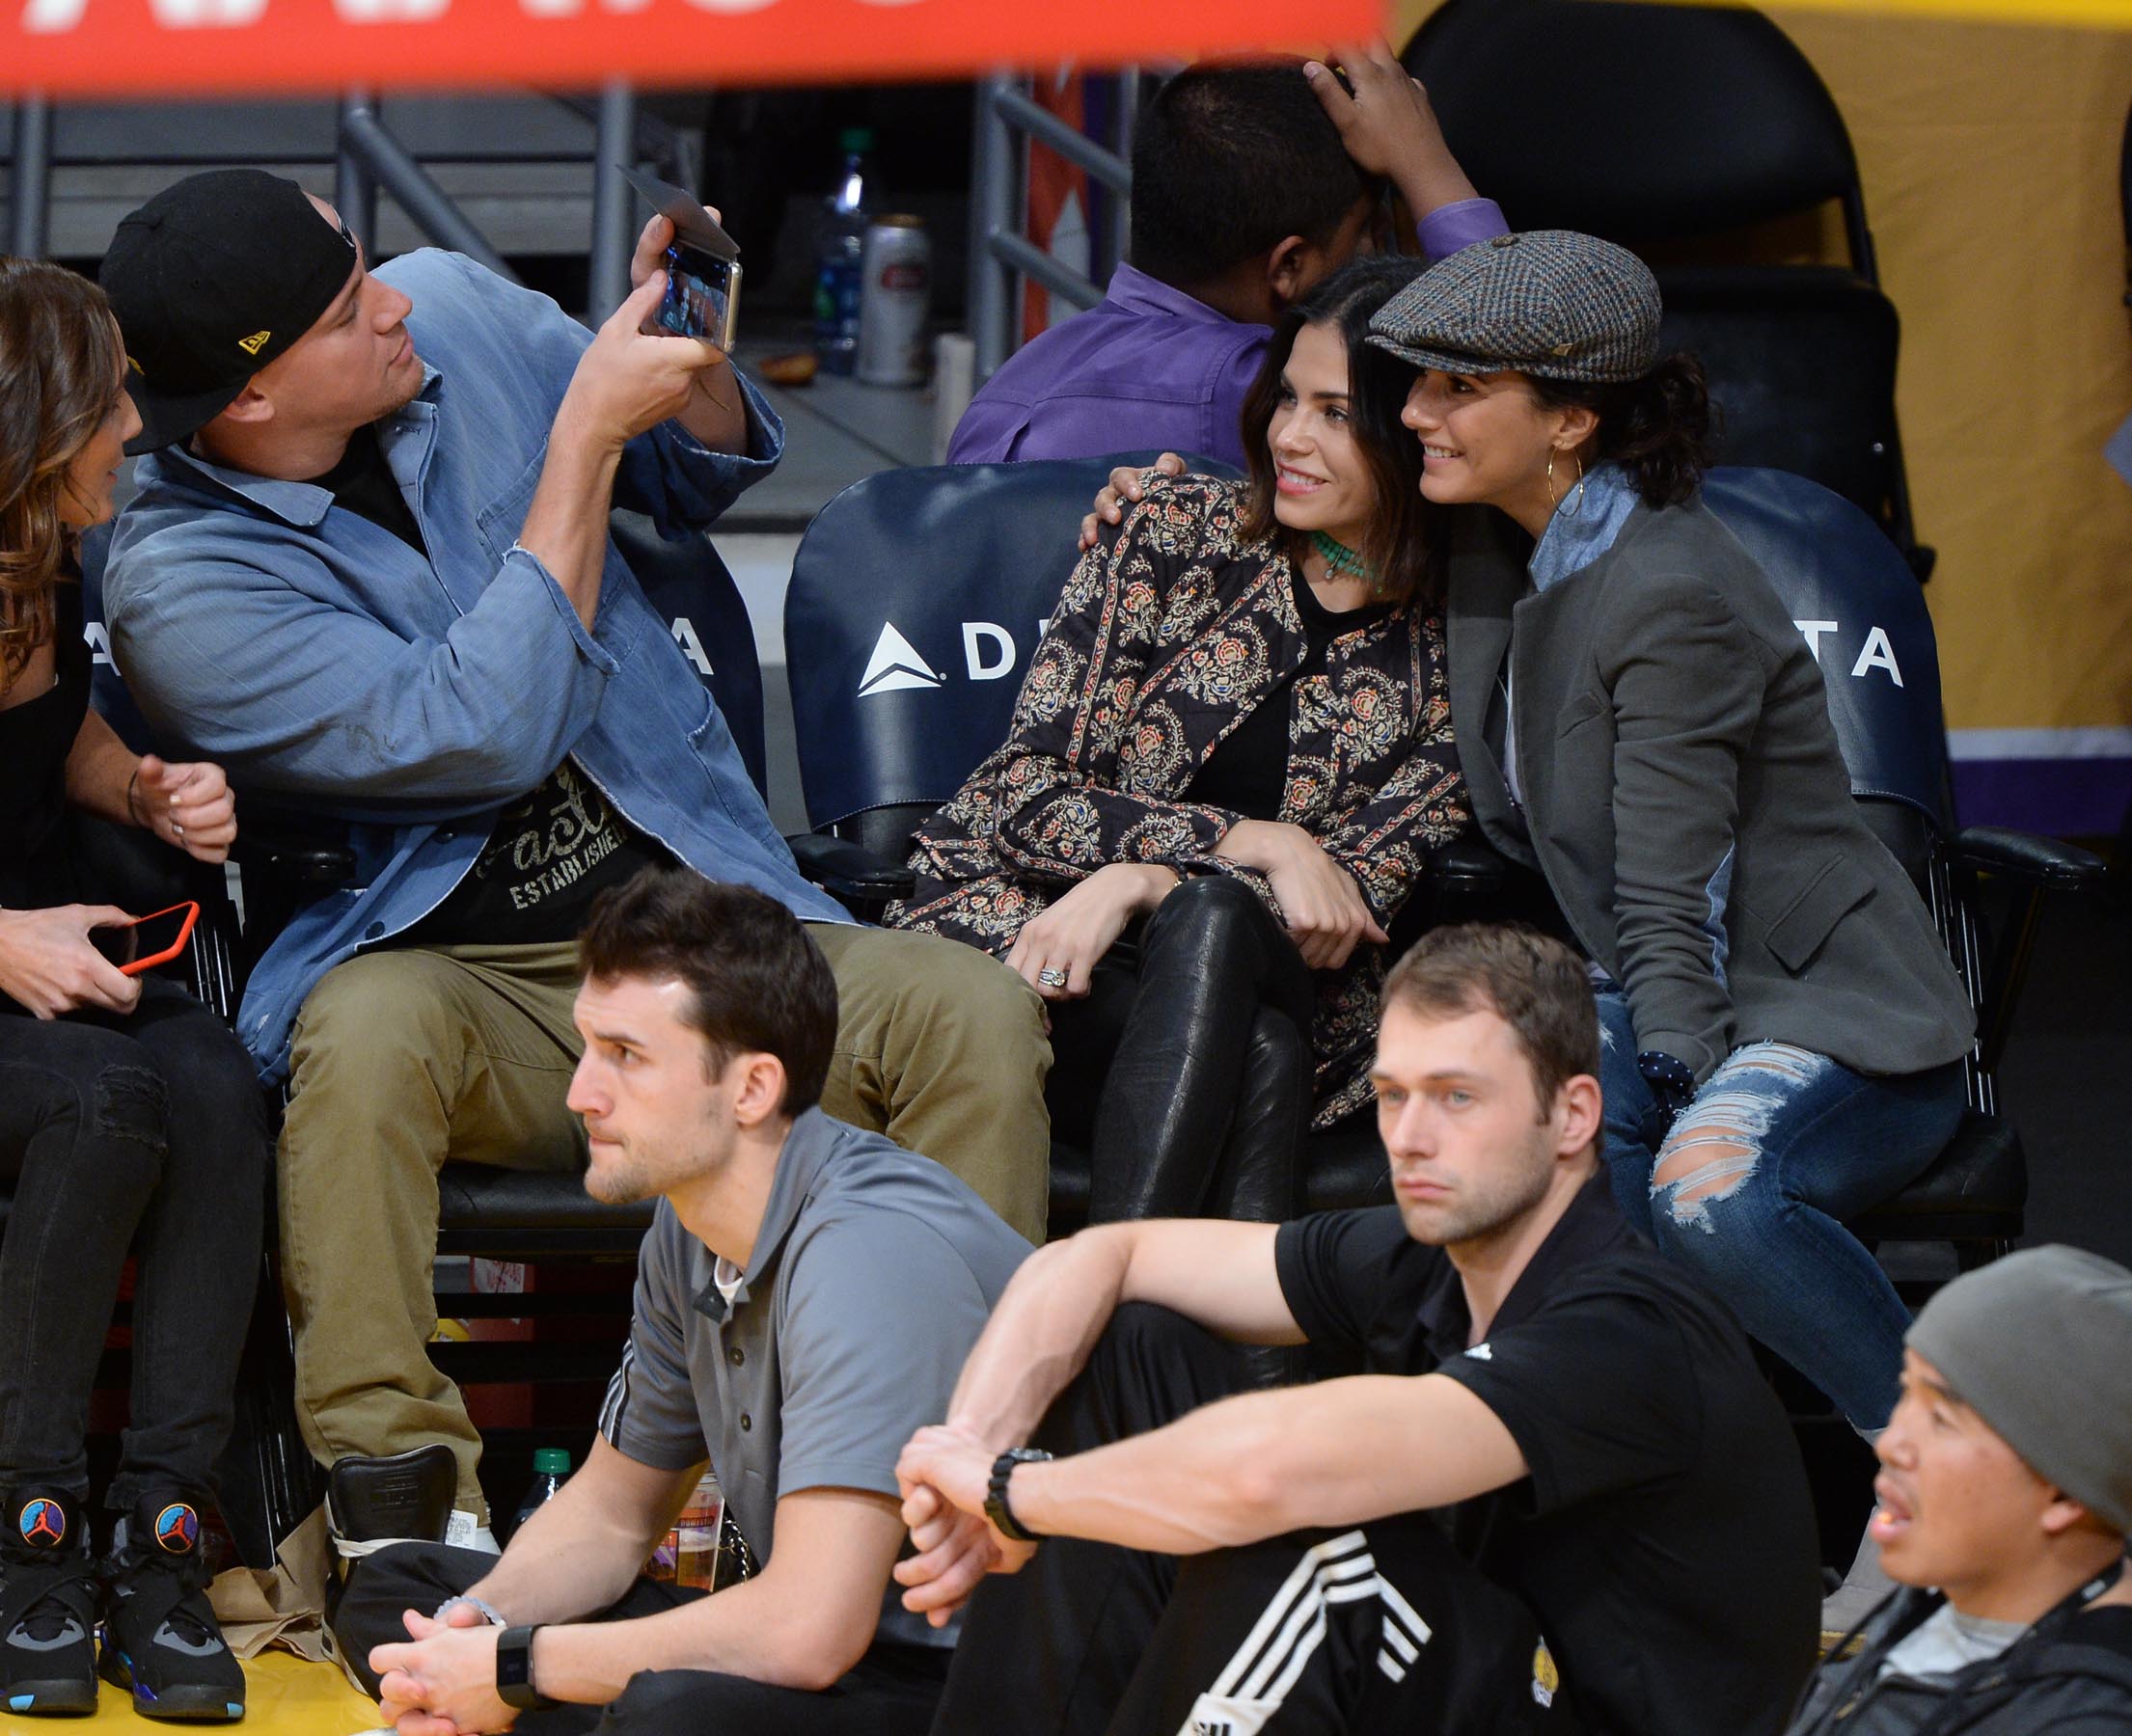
(1685, 799)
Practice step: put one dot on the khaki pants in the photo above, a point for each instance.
(406, 1058)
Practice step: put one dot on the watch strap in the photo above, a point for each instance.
(996, 1507)
(515, 1683)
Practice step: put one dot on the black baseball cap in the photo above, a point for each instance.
(211, 280)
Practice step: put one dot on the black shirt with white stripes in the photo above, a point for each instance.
(1664, 1538)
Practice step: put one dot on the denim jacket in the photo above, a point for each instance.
(335, 672)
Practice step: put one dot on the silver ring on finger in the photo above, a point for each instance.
(1051, 977)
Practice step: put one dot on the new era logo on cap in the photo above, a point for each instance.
(213, 279)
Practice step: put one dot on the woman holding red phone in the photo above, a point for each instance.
(129, 1116)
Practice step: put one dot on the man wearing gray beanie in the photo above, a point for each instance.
(2005, 1497)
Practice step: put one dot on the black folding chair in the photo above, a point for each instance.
(1660, 125)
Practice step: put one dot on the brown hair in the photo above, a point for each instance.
(758, 983)
(58, 341)
(1396, 548)
(1531, 982)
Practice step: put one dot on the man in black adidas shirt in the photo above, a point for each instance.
(1559, 1498)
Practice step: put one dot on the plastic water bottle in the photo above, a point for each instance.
(841, 256)
(551, 1466)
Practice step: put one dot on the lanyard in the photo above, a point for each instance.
(2044, 1627)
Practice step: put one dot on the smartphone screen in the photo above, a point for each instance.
(699, 298)
(137, 946)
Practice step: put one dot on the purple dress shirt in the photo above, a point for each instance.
(1148, 368)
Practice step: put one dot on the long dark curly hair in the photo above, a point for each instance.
(59, 360)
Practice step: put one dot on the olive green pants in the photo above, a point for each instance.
(406, 1058)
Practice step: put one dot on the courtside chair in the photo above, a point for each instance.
(918, 596)
(1665, 127)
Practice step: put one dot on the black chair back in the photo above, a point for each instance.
(1657, 124)
(1645, 122)
(1801, 363)
(916, 598)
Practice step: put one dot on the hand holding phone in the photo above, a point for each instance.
(701, 263)
(141, 943)
(49, 965)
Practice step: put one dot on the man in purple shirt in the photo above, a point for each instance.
(1251, 182)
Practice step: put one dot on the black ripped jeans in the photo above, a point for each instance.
(1187, 1068)
(145, 1131)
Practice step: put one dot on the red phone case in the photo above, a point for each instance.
(177, 946)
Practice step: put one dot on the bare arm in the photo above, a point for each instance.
(1047, 1320)
(1338, 1452)
(188, 805)
(99, 767)
(801, 1622)
(581, 1549)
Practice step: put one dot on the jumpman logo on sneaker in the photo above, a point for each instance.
(177, 1528)
(43, 1522)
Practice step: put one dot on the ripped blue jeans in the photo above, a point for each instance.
(1753, 1185)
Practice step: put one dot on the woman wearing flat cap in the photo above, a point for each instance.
(1640, 721)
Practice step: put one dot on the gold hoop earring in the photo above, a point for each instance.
(1576, 495)
(1553, 500)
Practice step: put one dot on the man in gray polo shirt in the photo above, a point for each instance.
(804, 1300)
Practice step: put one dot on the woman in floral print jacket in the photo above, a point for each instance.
(1230, 761)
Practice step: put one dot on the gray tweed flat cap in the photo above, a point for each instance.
(1548, 302)
(2039, 1345)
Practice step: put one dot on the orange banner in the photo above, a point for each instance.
(165, 48)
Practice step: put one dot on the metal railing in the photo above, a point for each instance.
(1002, 258)
(370, 159)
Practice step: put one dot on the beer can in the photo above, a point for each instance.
(895, 302)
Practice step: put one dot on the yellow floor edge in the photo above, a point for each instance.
(283, 1697)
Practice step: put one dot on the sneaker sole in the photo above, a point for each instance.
(62, 1698)
(177, 1705)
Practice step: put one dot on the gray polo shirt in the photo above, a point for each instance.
(873, 1273)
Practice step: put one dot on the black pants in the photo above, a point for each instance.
(1381, 1627)
(1188, 1068)
(145, 1131)
(891, 1690)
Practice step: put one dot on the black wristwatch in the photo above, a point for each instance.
(514, 1685)
(997, 1509)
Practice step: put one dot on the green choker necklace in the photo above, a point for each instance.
(1341, 561)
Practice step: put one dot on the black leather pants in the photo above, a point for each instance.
(1204, 1024)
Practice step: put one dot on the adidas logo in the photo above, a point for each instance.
(896, 666)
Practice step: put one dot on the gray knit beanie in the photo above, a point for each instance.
(2039, 1345)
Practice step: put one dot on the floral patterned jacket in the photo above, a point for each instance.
(1169, 633)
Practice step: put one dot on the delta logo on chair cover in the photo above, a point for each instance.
(43, 1521)
(989, 653)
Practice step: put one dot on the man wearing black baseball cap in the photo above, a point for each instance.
(2005, 1496)
(369, 562)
